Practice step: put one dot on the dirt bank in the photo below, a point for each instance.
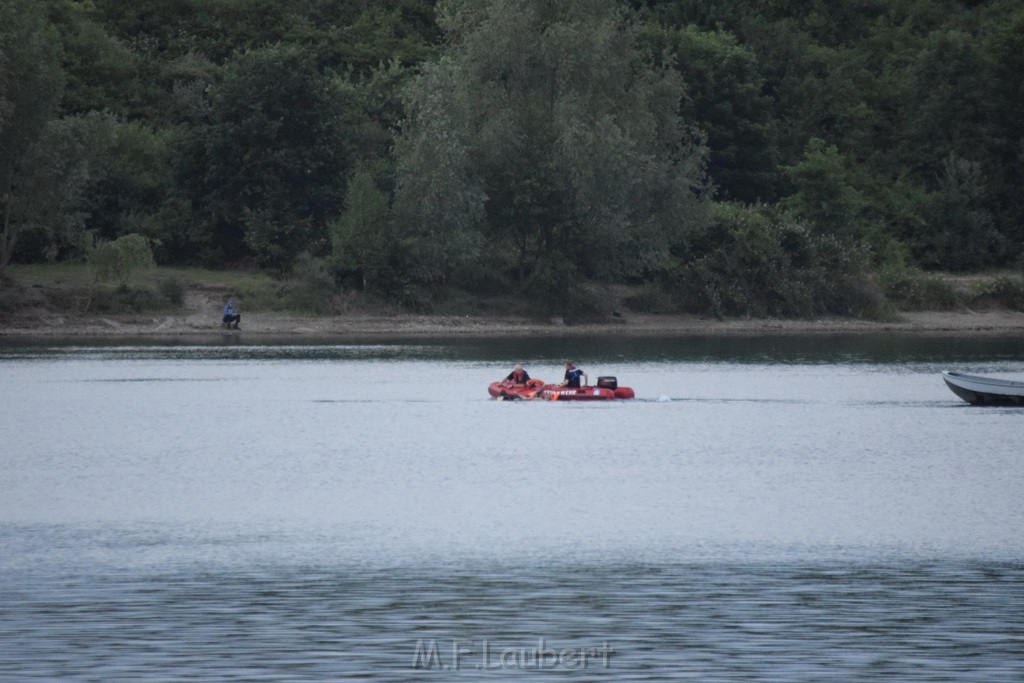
(45, 301)
(257, 325)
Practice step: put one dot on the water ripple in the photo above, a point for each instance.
(795, 622)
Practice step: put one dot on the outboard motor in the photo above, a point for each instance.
(607, 383)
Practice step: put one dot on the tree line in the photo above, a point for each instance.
(719, 156)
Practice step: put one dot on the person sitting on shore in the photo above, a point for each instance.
(572, 377)
(518, 376)
(231, 315)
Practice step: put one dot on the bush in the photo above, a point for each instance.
(310, 286)
(486, 276)
(1006, 292)
(549, 284)
(124, 300)
(119, 261)
(758, 262)
(15, 297)
(556, 286)
(651, 299)
(173, 290)
(910, 289)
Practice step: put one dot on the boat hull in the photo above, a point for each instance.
(554, 392)
(978, 390)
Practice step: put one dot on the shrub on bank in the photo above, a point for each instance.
(652, 298)
(558, 287)
(755, 261)
(107, 300)
(310, 287)
(911, 289)
(1005, 292)
(120, 260)
(173, 291)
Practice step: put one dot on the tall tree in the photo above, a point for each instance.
(363, 240)
(30, 88)
(439, 196)
(724, 97)
(58, 181)
(556, 133)
(276, 155)
(826, 194)
(1006, 50)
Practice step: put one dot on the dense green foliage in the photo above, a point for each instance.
(30, 86)
(895, 120)
(120, 260)
(775, 158)
(543, 143)
(757, 261)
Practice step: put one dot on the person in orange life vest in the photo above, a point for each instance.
(518, 376)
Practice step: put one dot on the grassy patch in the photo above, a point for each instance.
(235, 280)
(51, 274)
(82, 274)
(72, 287)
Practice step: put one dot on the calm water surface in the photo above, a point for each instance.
(771, 509)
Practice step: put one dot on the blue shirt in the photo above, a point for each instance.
(572, 377)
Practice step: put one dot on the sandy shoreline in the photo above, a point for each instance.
(267, 326)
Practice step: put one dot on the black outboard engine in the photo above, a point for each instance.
(607, 383)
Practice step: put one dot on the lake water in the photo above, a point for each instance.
(787, 509)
